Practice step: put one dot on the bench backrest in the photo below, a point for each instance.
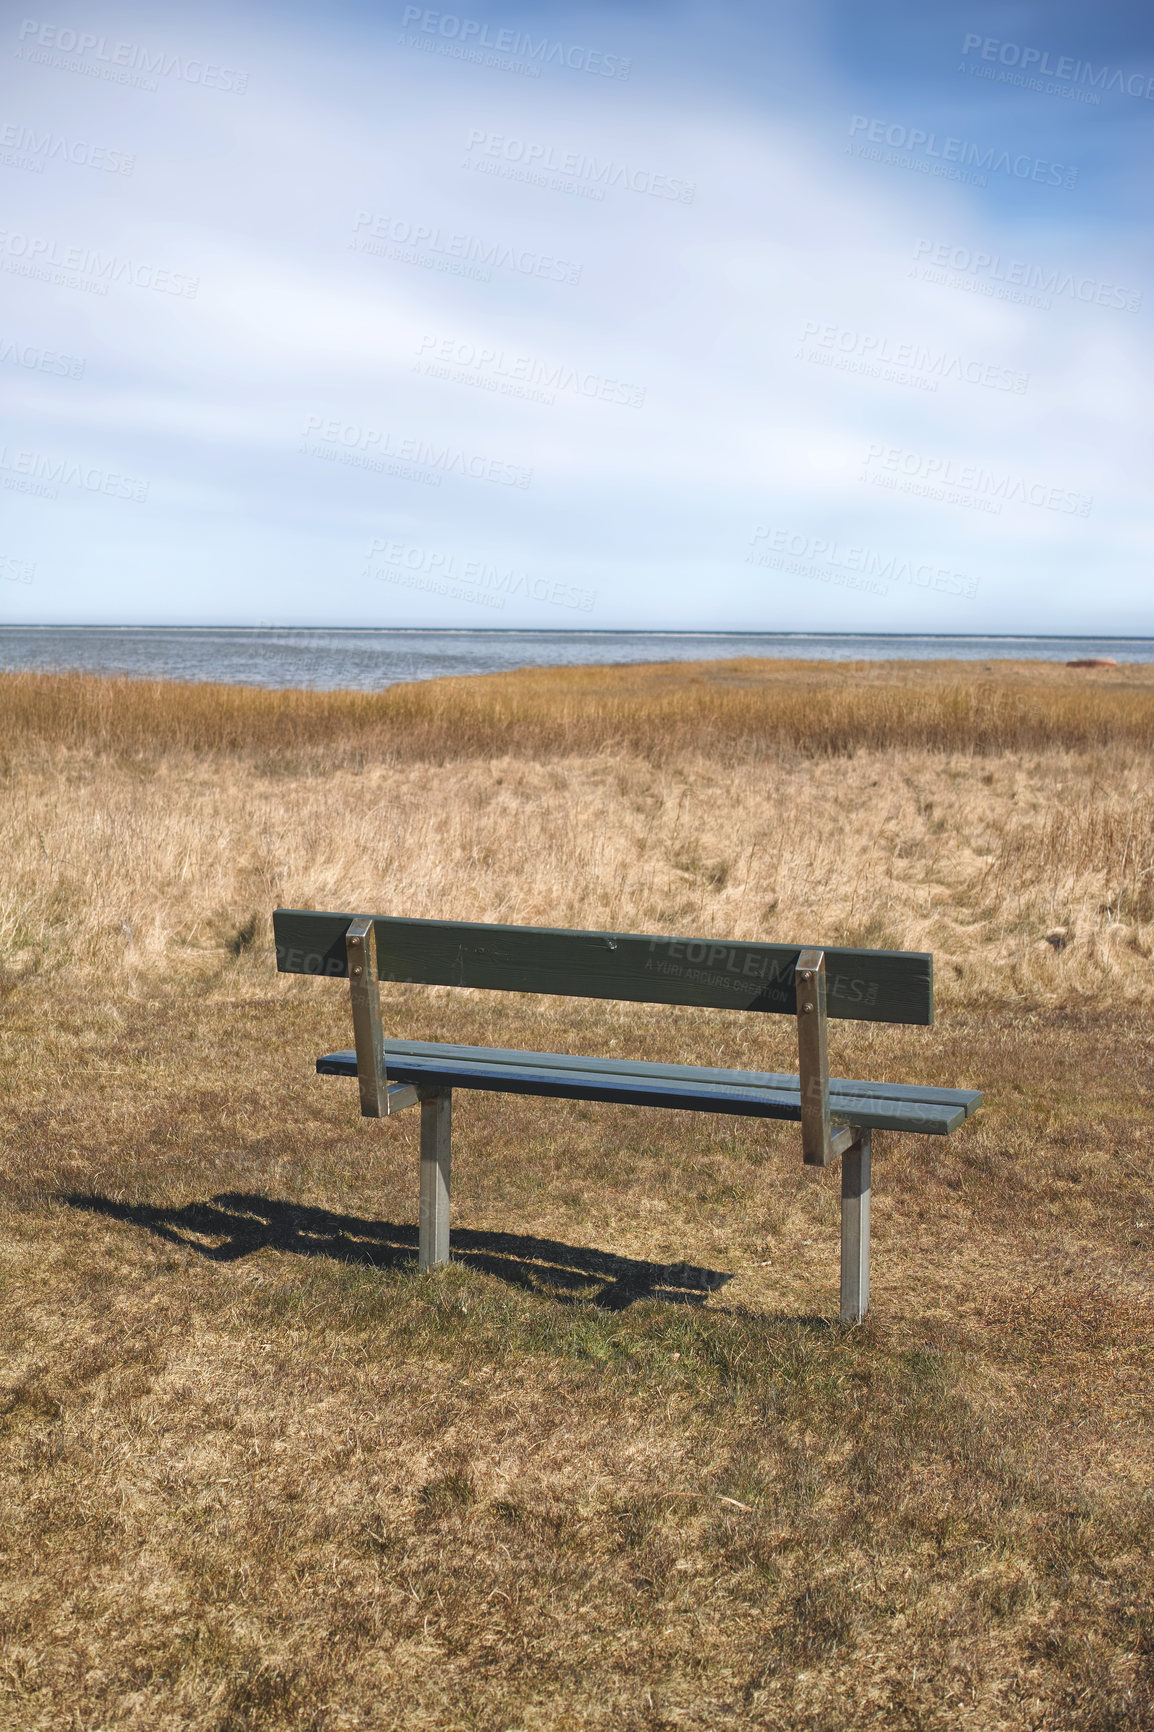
(862, 985)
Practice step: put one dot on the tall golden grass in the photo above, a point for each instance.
(740, 709)
(150, 828)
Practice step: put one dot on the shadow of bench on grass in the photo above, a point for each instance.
(235, 1224)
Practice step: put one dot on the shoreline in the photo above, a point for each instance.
(373, 660)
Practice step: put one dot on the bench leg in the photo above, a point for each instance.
(436, 1134)
(855, 1230)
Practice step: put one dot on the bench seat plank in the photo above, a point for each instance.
(753, 1094)
(969, 1098)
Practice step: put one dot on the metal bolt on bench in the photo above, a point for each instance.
(837, 1116)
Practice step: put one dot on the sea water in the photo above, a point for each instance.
(369, 659)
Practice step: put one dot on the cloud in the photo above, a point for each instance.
(399, 250)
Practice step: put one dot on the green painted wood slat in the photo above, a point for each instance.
(577, 1063)
(892, 986)
(684, 1087)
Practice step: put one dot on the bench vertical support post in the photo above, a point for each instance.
(855, 1229)
(365, 992)
(436, 1143)
(813, 1057)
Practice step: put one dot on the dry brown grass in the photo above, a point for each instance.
(616, 1468)
(732, 711)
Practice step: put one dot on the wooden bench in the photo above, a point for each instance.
(837, 1117)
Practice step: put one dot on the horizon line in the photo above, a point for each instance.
(600, 631)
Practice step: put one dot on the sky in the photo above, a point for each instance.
(734, 317)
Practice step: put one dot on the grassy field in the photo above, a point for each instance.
(618, 1467)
